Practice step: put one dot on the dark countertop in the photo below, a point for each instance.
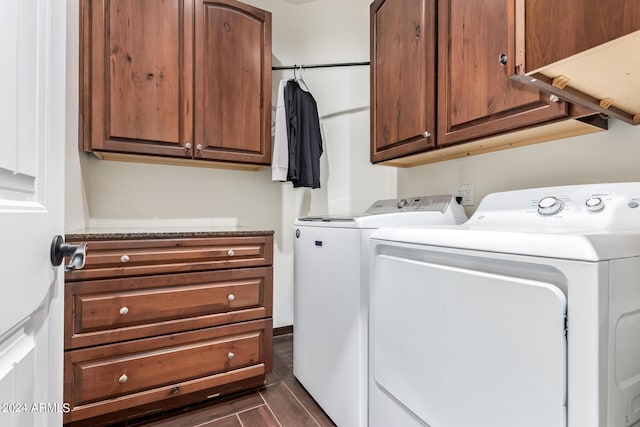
(98, 233)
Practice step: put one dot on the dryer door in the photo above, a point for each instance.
(458, 347)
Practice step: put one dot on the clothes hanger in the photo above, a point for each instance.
(300, 80)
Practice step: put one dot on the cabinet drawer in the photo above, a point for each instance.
(104, 311)
(120, 376)
(123, 258)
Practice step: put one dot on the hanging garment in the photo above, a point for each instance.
(303, 132)
(280, 161)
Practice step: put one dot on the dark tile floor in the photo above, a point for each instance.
(282, 402)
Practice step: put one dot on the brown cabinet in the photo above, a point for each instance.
(179, 79)
(403, 90)
(156, 323)
(476, 101)
(584, 51)
(476, 55)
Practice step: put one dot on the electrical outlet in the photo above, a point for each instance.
(467, 192)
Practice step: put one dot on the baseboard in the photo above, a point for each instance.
(283, 330)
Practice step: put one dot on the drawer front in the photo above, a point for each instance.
(107, 378)
(118, 376)
(104, 311)
(123, 258)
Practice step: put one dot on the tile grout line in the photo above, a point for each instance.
(301, 404)
(269, 407)
(251, 409)
(226, 416)
(239, 420)
(212, 421)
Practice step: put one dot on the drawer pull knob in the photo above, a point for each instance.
(230, 356)
(230, 252)
(123, 379)
(124, 258)
(175, 390)
(124, 310)
(231, 297)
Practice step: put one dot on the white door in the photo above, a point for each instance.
(32, 123)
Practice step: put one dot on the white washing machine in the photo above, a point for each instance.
(331, 272)
(528, 315)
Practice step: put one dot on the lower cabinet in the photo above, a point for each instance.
(136, 344)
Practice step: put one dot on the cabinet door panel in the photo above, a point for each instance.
(233, 82)
(402, 77)
(556, 30)
(479, 97)
(137, 76)
(144, 72)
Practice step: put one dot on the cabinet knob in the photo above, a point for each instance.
(187, 146)
(554, 98)
(123, 379)
(124, 258)
(230, 252)
(124, 310)
(502, 59)
(231, 297)
(426, 134)
(230, 356)
(199, 147)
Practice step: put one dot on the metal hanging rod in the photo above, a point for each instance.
(341, 64)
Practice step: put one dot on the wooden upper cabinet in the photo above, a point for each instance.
(403, 37)
(137, 82)
(584, 51)
(233, 82)
(153, 71)
(555, 30)
(476, 56)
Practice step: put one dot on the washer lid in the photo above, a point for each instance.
(412, 211)
(328, 218)
(573, 246)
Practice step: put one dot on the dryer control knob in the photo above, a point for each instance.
(550, 206)
(401, 203)
(594, 204)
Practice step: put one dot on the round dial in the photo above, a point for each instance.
(594, 204)
(550, 206)
(401, 203)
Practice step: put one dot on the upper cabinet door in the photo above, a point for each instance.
(403, 37)
(477, 97)
(584, 51)
(233, 82)
(137, 81)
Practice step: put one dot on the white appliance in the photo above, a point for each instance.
(528, 315)
(331, 271)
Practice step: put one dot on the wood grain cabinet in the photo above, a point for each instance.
(152, 324)
(420, 116)
(403, 90)
(585, 51)
(176, 79)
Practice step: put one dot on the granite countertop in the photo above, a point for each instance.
(102, 233)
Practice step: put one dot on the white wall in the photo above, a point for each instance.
(610, 156)
(101, 192)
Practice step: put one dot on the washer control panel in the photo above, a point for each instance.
(592, 206)
(411, 204)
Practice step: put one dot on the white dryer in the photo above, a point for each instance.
(331, 272)
(528, 315)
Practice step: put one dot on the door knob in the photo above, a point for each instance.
(60, 250)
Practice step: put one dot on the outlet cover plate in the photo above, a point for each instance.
(467, 192)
